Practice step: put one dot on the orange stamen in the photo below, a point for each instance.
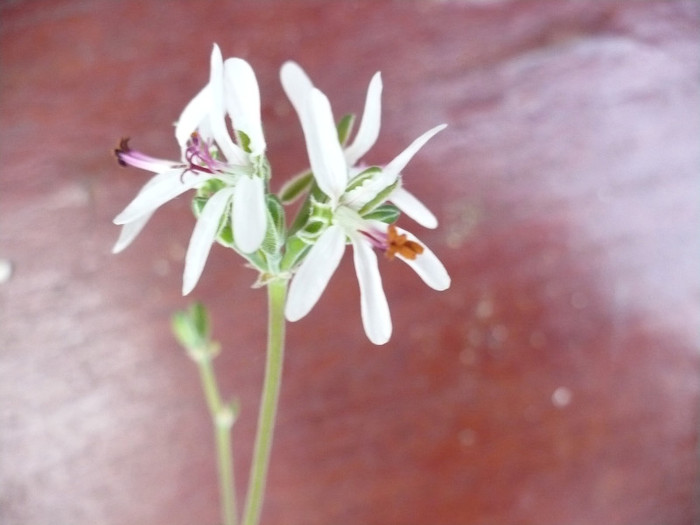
(399, 243)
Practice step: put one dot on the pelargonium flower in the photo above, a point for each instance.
(347, 213)
(209, 153)
(297, 86)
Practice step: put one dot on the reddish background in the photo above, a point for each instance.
(556, 382)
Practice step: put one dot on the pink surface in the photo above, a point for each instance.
(556, 382)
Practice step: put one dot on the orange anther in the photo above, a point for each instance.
(399, 243)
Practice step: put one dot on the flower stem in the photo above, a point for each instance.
(277, 291)
(222, 417)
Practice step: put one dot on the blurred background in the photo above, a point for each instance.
(555, 383)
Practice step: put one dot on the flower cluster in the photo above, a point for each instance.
(346, 202)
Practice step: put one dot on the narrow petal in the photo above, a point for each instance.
(192, 116)
(297, 86)
(374, 307)
(314, 273)
(217, 111)
(397, 165)
(129, 231)
(371, 121)
(243, 102)
(203, 237)
(414, 208)
(249, 214)
(427, 265)
(157, 191)
(325, 153)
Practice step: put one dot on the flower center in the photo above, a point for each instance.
(393, 243)
(198, 155)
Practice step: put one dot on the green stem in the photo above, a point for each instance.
(277, 291)
(222, 417)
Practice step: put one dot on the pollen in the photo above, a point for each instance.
(398, 243)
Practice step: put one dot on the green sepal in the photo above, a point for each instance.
(359, 179)
(225, 235)
(203, 194)
(274, 236)
(344, 127)
(244, 141)
(295, 187)
(276, 213)
(387, 213)
(379, 199)
(295, 249)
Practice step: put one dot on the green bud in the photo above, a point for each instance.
(191, 327)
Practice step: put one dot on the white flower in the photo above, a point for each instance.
(352, 196)
(209, 153)
(297, 85)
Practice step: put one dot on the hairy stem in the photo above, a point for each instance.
(277, 291)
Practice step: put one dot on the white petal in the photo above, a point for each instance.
(217, 115)
(427, 265)
(314, 273)
(414, 208)
(371, 121)
(243, 102)
(325, 153)
(203, 237)
(192, 116)
(297, 86)
(157, 191)
(129, 231)
(249, 214)
(375, 309)
(395, 167)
